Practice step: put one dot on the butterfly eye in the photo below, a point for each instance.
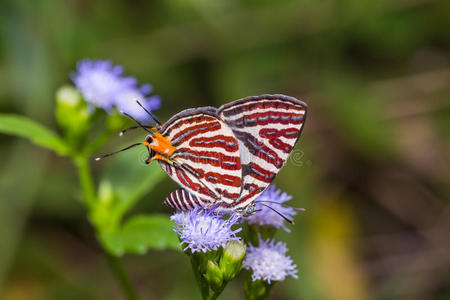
(250, 209)
(148, 139)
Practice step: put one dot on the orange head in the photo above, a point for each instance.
(159, 147)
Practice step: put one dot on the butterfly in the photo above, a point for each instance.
(225, 157)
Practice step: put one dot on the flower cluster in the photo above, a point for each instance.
(103, 85)
(268, 261)
(203, 230)
(268, 204)
(215, 251)
(218, 255)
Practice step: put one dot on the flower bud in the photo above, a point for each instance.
(201, 260)
(231, 260)
(68, 95)
(105, 192)
(214, 276)
(72, 113)
(216, 252)
(100, 214)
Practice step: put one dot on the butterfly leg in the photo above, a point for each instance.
(151, 154)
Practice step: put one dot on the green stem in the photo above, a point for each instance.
(212, 296)
(90, 197)
(118, 270)
(202, 284)
(87, 184)
(218, 292)
(207, 292)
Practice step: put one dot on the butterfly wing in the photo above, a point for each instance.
(267, 128)
(182, 200)
(207, 160)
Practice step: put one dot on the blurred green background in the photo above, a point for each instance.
(372, 167)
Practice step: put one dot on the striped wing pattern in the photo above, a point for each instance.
(266, 128)
(207, 160)
(182, 200)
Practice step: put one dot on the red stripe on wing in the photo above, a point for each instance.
(213, 158)
(264, 104)
(187, 121)
(260, 173)
(185, 179)
(191, 131)
(270, 156)
(219, 141)
(273, 135)
(225, 179)
(269, 117)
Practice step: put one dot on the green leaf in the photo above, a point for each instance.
(126, 180)
(131, 178)
(36, 133)
(140, 234)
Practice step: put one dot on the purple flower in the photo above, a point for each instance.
(268, 217)
(203, 231)
(126, 102)
(269, 262)
(103, 85)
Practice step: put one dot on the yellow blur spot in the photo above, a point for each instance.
(333, 251)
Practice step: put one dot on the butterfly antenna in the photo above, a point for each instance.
(149, 113)
(140, 125)
(281, 215)
(115, 152)
(282, 204)
(131, 128)
(299, 208)
(268, 201)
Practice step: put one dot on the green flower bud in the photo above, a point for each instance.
(105, 192)
(101, 213)
(68, 95)
(72, 113)
(214, 276)
(201, 259)
(231, 260)
(255, 290)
